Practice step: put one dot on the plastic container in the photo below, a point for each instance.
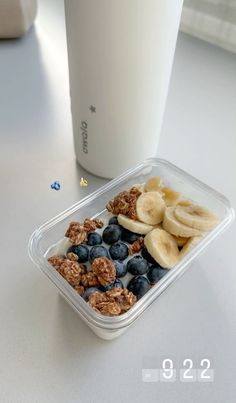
(94, 206)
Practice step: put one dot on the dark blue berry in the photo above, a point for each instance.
(128, 236)
(119, 251)
(139, 286)
(89, 291)
(137, 265)
(111, 234)
(94, 239)
(113, 220)
(117, 284)
(82, 251)
(155, 273)
(121, 268)
(146, 255)
(97, 251)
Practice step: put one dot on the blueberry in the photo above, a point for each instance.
(98, 251)
(94, 239)
(155, 273)
(146, 255)
(139, 286)
(111, 234)
(128, 236)
(121, 268)
(89, 291)
(82, 251)
(119, 251)
(117, 284)
(113, 220)
(137, 265)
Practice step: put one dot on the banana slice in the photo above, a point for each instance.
(175, 227)
(170, 196)
(196, 216)
(192, 242)
(150, 208)
(153, 184)
(162, 247)
(185, 203)
(133, 225)
(180, 240)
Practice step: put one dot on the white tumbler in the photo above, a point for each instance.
(120, 59)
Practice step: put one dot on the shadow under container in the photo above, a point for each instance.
(93, 205)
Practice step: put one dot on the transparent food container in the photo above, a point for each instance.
(49, 234)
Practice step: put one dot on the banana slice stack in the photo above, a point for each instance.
(168, 222)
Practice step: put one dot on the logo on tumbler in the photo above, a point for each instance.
(84, 134)
(92, 109)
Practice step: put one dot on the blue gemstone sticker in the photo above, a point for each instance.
(56, 185)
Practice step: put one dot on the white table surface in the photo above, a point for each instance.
(47, 354)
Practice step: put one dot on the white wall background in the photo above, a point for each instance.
(211, 20)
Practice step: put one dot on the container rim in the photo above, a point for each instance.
(126, 319)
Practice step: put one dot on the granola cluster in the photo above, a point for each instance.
(125, 203)
(90, 280)
(109, 303)
(102, 271)
(72, 256)
(113, 302)
(90, 225)
(136, 246)
(77, 232)
(105, 270)
(71, 272)
(69, 269)
(56, 262)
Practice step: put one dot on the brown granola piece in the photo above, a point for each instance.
(72, 256)
(77, 232)
(71, 271)
(104, 269)
(97, 298)
(90, 225)
(136, 246)
(89, 280)
(113, 302)
(126, 299)
(74, 227)
(125, 203)
(79, 238)
(111, 309)
(56, 262)
(79, 289)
